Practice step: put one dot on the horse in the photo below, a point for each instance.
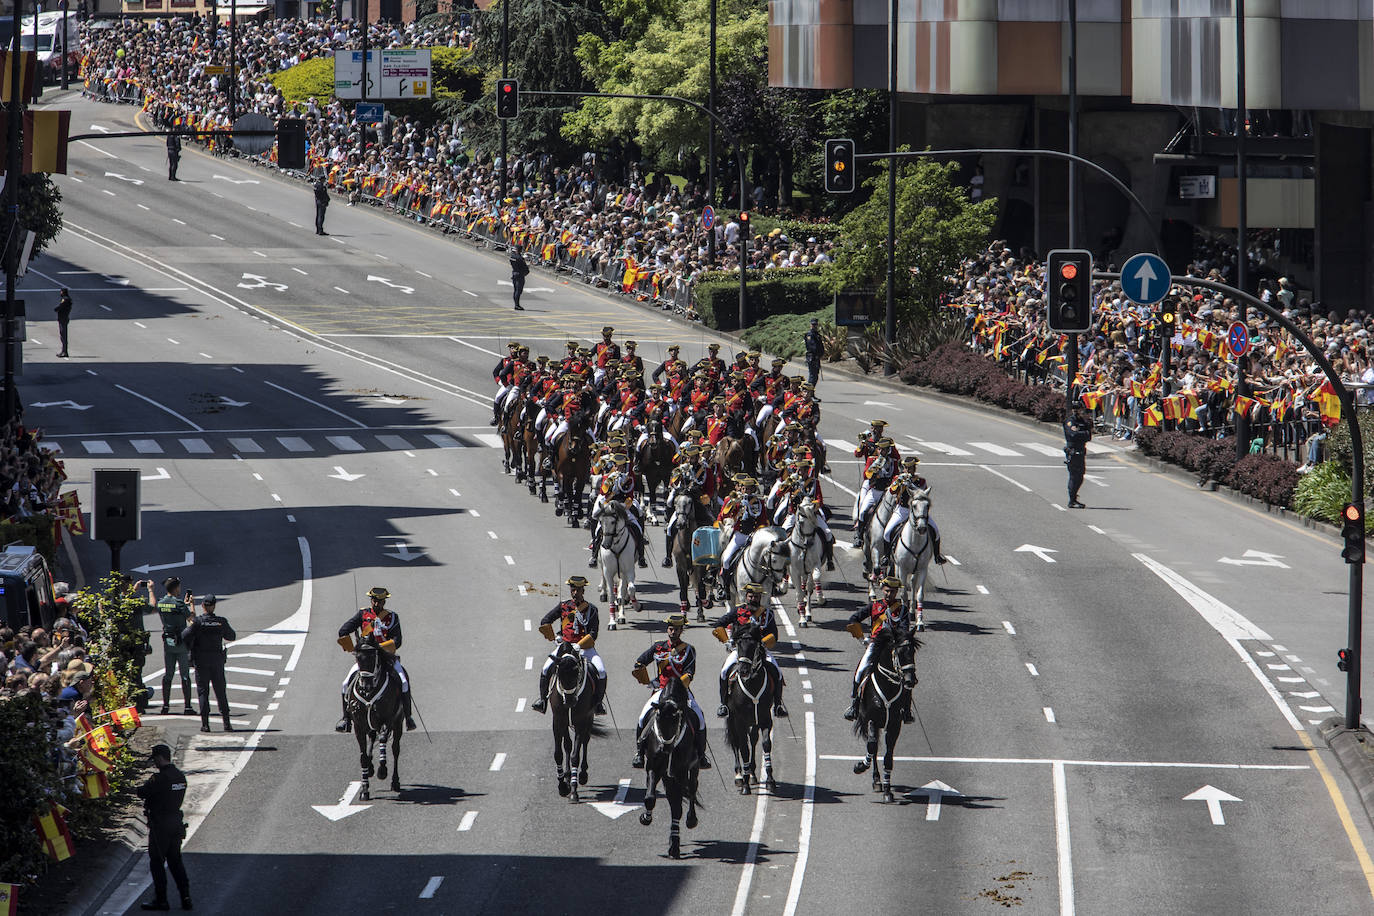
(873, 541)
(616, 558)
(764, 560)
(374, 703)
(573, 716)
(729, 458)
(914, 550)
(513, 439)
(572, 465)
(691, 515)
(749, 700)
(883, 696)
(805, 549)
(536, 460)
(670, 757)
(655, 460)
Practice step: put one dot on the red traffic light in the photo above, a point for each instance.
(1352, 512)
(507, 87)
(1068, 270)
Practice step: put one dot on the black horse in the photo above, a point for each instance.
(374, 702)
(691, 515)
(883, 696)
(750, 695)
(572, 709)
(670, 757)
(654, 460)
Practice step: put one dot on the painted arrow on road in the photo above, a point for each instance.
(1041, 552)
(189, 561)
(403, 552)
(70, 405)
(528, 289)
(230, 402)
(160, 475)
(124, 178)
(117, 281)
(341, 474)
(614, 809)
(345, 807)
(1095, 479)
(1255, 558)
(236, 180)
(99, 127)
(1213, 797)
(261, 282)
(934, 793)
(408, 290)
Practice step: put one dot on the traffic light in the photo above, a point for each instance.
(839, 166)
(1352, 529)
(507, 99)
(1343, 659)
(1166, 315)
(744, 224)
(291, 143)
(1068, 291)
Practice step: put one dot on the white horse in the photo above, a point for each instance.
(804, 544)
(616, 559)
(765, 560)
(873, 546)
(914, 550)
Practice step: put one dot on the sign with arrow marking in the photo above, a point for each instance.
(1041, 552)
(230, 402)
(260, 282)
(1213, 797)
(341, 474)
(614, 809)
(345, 807)
(408, 290)
(160, 475)
(188, 561)
(934, 793)
(70, 405)
(1145, 278)
(236, 180)
(1249, 558)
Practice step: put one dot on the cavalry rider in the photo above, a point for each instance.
(667, 364)
(577, 624)
(698, 402)
(712, 363)
(630, 359)
(384, 626)
(746, 513)
(753, 610)
(673, 658)
(881, 467)
(803, 485)
(901, 490)
(739, 403)
(569, 406)
(566, 363)
(863, 451)
(606, 352)
(695, 478)
(718, 423)
(513, 381)
(752, 369)
(619, 483)
(500, 375)
(887, 611)
(768, 389)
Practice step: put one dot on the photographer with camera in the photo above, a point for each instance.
(174, 610)
(162, 796)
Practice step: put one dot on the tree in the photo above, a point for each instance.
(937, 228)
(40, 208)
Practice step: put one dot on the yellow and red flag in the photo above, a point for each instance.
(1151, 416)
(9, 899)
(53, 833)
(102, 738)
(1091, 399)
(93, 759)
(95, 784)
(1243, 405)
(127, 718)
(69, 512)
(1329, 404)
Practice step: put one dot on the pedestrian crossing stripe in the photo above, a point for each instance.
(996, 449)
(394, 442)
(146, 446)
(952, 450)
(294, 444)
(196, 446)
(245, 445)
(344, 443)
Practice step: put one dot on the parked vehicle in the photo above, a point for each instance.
(26, 595)
(50, 45)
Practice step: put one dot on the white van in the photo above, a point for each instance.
(50, 46)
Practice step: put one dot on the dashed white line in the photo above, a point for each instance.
(173, 341)
(997, 473)
(1059, 507)
(1032, 669)
(1097, 529)
(529, 662)
(108, 191)
(474, 513)
(520, 705)
(492, 535)
(1006, 625)
(141, 325)
(431, 472)
(510, 560)
(982, 589)
(277, 497)
(179, 222)
(497, 762)
(255, 251)
(291, 518)
(423, 274)
(408, 454)
(257, 476)
(140, 206)
(301, 272)
(1049, 714)
(952, 560)
(528, 626)
(106, 307)
(454, 492)
(207, 356)
(523, 593)
(470, 293)
(466, 823)
(342, 290)
(431, 886)
(213, 236)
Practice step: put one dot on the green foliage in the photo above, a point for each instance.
(795, 291)
(113, 616)
(1323, 492)
(456, 79)
(34, 531)
(781, 335)
(40, 208)
(937, 227)
(1339, 450)
(28, 773)
(314, 77)
(798, 230)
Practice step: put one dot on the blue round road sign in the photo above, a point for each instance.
(1145, 278)
(708, 217)
(1238, 340)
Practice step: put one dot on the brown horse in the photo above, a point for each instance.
(512, 439)
(655, 461)
(728, 461)
(571, 468)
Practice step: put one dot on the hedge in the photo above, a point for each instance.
(35, 531)
(781, 335)
(795, 291)
(954, 368)
(1268, 478)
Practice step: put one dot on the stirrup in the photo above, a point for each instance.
(540, 705)
(638, 760)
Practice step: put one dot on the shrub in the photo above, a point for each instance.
(1323, 492)
(1266, 477)
(794, 291)
(781, 335)
(35, 531)
(1338, 447)
(308, 78)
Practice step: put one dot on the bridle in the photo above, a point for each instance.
(917, 525)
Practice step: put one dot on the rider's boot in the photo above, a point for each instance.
(346, 723)
(852, 712)
(599, 696)
(639, 551)
(638, 761)
(410, 721)
(828, 551)
(779, 710)
(702, 762)
(907, 716)
(668, 548)
(595, 548)
(859, 525)
(541, 704)
(723, 709)
(939, 554)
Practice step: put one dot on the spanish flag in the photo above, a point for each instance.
(53, 833)
(93, 759)
(102, 738)
(45, 141)
(1329, 403)
(1151, 417)
(95, 784)
(83, 725)
(28, 68)
(9, 899)
(127, 718)
(1243, 405)
(69, 512)
(1091, 399)
(1172, 407)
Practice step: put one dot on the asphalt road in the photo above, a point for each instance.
(310, 417)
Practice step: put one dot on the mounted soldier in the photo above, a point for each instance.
(383, 626)
(672, 658)
(577, 623)
(901, 491)
(697, 480)
(667, 364)
(752, 612)
(743, 511)
(619, 484)
(605, 353)
(887, 611)
(879, 471)
(500, 375)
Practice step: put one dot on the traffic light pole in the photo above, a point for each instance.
(505, 73)
(15, 104)
(1355, 593)
(890, 315)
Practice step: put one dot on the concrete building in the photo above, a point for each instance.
(1157, 85)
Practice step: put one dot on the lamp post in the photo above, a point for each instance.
(890, 322)
(362, 94)
(711, 139)
(505, 74)
(1242, 258)
(62, 7)
(14, 103)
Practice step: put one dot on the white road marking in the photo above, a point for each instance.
(746, 877)
(952, 561)
(1034, 672)
(318, 404)
(1279, 648)
(257, 476)
(207, 356)
(529, 662)
(431, 472)
(510, 561)
(1061, 839)
(196, 446)
(520, 705)
(342, 290)
(344, 443)
(255, 655)
(944, 447)
(492, 535)
(443, 441)
(470, 293)
(295, 444)
(1291, 680)
(393, 442)
(1317, 709)
(1042, 448)
(466, 823)
(1059, 507)
(497, 762)
(213, 236)
(523, 594)
(1096, 529)
(528, 625)
(173, 341)
(107, 191)
(246, 687)
(1006, 625)
(258, 671)
(423, 274)
(255, 251)
(431, 886)
(141, 325)
(277, 497)
(1227, 622)
(146, 446)
(1049, 714)
(474, 513)
(301, 272)
(1259, 654)
(994, 471)
(141, 207)
(97, 447)
(997, 449)
(982, 589)
(841, 444)
(1094, 449)
(491, 440)
(1279, 667)
(161, 407)
(246, 445)
(291, 518)
(454, 492)
(178, 222)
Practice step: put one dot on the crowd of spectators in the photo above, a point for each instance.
(30, 475)
(1122, 378)
(54, 665)
(630, 225)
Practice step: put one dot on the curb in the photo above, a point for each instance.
(1354, 748)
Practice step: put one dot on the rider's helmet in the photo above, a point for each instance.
(714, 348)
(778, 363)
(577, 582)
(910, 462)
(378, 595)
(676, 621)
(878, 426)
(885, 442)
(747, 484)
(572, 346)
(674, 349)
(607, 331)
(807, 386)
(892, 582)
(754, 356)
(753, 588)
(513, 346)
(631, 344)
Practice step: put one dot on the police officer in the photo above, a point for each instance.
(321, 204)
(175, 614)
(205, 638)
(812, 342)
(162, 796)
(173, 156)
(64, 318)
(518, 271)
(1078, 432)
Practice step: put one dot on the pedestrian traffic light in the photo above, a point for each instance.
(1068, 291)
(744, 224)
(1352, 529)
(291, 143)
(1167, 316)
(507, 99)
(839, 166)
(1343, 659)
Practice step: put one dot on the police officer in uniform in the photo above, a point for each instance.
(812, 341)
(173, 156)
(175, 614)
(518, 271)
(321, 204)
(205, 638)
(162, 796)
(1078, 432)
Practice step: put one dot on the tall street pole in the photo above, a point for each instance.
(505, 74)
(233, 64)
(1071, 365)
(890, 324)
(14, 104)
(1243, 432)
(62, 7)
(362, 97)
(38, 72)
(711, 140)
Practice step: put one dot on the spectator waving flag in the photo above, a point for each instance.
(1329, 404)
(127, 718)
(95, 784)
(102, 738)
(95, 760)
(53, 834)
(69, 512)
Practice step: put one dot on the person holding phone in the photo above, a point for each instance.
(174, 610)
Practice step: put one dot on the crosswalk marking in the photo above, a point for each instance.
(344, 443)
(997, 449)
(395, 442)
(491, 440)
(263, 672)
(841, 444)
(1096, 449)
(246, 687)
(443, 441)
(1044, 449)
(196, 446)
(945, 448)
(295, 444)
(97, 447)
(245, 445)
(146, 446)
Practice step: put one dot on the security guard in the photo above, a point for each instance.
(162, 796)
(205, 638)
(1078, 432)
(175, 614)
(173, 156)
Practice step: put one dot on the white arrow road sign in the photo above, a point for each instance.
(934, 792)
(1097, 480)
(236, 180)
(100, 127)
(528, 289)
(1249, 558)
(345, 807)
(123, 178)
(402, 551)
(408, 290)
(341, 474)
(117, 281)
(613, 809)
(260, 282)
(230, 402)
(1146, 275)
(1213, 797)
(189, 561)
(160, 475)
(70, 405)
(1041, 552)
